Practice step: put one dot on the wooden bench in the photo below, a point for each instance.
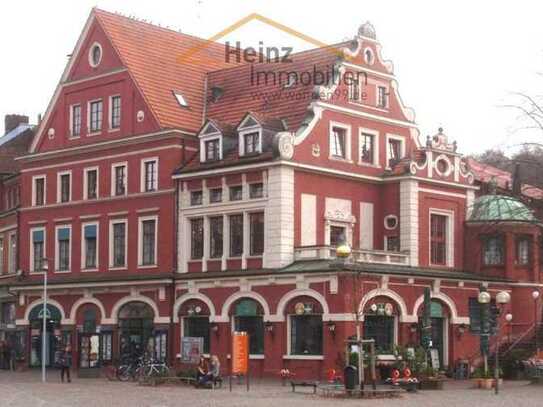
(304, 384)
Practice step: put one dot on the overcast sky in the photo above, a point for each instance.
(457, 63)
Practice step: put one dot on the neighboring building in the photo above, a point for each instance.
(174, 196)
(14, 143)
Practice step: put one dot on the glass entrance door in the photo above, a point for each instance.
(438, 325)
(52, 343)
(89, 351)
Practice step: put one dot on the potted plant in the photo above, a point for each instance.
(431, 380)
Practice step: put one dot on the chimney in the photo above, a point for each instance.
(11, 121)
(517, 181)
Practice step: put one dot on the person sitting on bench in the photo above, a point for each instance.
(214, 371)
(201, 372)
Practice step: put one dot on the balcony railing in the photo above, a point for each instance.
(358, 255)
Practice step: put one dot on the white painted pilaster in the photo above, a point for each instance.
(409, 219)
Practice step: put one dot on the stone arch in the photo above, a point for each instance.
(385, 292)
(244, 294)
(88, 300)
(134, 298)
(443, 298)
(300, 292)
(50, 301)
(193, 296)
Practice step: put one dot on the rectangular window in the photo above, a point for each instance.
(236, 235)
(91, 183)
(197, 327)
(119, 180)
(119, 244)
(115, 119)
(236, 193)
(90, 246)
(196, 198)
(394, 152)
(251, 142)
(215, 237)
(12, 261)
(39, 191)
(380, 328)
(197, 238)
(338, 142)
(305, 334)
(392, 244)
(354, 90)
(438, 239)
(256, 223)
(493, 251)
(523, 251)
(63, 249)
(367, 145)
(38, 249)
(96, 116)
(382, 97)
(150, 171)
(256, 190)
(148, 242)
(337, 235)
(215, 195)
(212, 150)
(76, 121)
(65, 187)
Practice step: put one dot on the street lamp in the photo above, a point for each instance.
(44, 269)
(484, 301)
(502, 298)
(535, 296)
(509, 318)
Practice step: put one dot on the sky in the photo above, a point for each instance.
(459, 64)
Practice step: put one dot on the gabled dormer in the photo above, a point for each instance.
(211, 138)
(255, 133)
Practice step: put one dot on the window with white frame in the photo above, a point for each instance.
(118, 179)
(382, 97)
(212, 149)
(338, 235)
(368, 148)
(306, 334)
(256, 190)
(340, 141)
(90, 183)
(236, 235)
(37, 253)
(95, 116)
(114, 112)
(89, 259)
(522, 252)
(251, 142)
(256, 233)
(196, 238)
(75, 120)
(395, 150)
(149, 169)
(117, 242)
(63, 252)
(215, 237)
(236, 193)
(64, 187)
(148, 241)
(38, 190)
(12, 256)
(441, 238)
(354, 89)
(215, 195)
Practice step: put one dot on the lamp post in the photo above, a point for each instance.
(502, 298)
(484, 300)
(509, 318)
(535, 296)
(45, 269)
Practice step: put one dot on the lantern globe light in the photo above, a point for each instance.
(535, 295)
(508, 317)
(483, 297)
(503, 297)
(343, 250)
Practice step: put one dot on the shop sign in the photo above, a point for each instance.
(191, 349)
(240, 353)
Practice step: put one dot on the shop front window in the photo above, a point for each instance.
(248, 318)
(197, 327)
(306, 334)
(381, 329)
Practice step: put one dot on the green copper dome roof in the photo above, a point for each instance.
(492, 208)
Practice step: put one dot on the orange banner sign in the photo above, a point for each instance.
(240, 353)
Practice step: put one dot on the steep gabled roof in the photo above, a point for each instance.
(153, 56)
(14, 144)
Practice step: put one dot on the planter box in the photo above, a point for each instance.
(431, 384)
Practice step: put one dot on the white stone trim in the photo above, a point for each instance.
(143, 174)
(141, 219)
(111, 241)
(446, 300)
(59, 185)
(31, 240)
(86, 182)
(409, 219)
(88, 300)
(224, 317)
(39, 301)
(382, 292)
(396, 137)
(193, 296)
(285, 299)
(375, 159)
(91, 49)
(57, 249)
(347, 128)
(450, 234)
(114, 166)
(110, 113)
(84, 247)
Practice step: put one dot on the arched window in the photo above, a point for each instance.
(195, 317)
(136, 329)
(306, 327)
(89, 320)
(248, 318)
(380, 324)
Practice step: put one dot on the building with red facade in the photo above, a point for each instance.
(168, 196)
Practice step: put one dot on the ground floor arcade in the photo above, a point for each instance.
(295, 320)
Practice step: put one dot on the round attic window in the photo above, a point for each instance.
(391, 222)
(95, 55)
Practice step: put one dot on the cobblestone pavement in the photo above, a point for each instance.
(25, 389)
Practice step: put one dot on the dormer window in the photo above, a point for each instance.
(212, 150)
(252, 142)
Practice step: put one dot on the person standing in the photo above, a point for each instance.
(12, 357)
(66, 364)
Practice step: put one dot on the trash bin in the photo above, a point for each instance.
(350, 377)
